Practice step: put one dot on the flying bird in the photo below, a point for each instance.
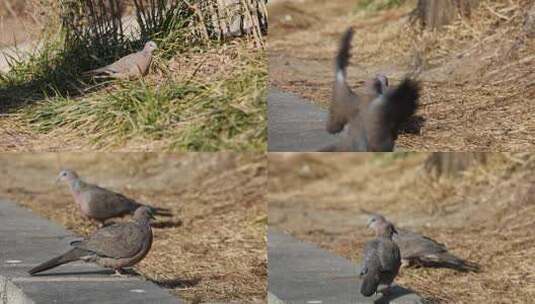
(373, 116)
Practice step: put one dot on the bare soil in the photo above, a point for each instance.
(485, 215)
(477, 74)
(212, 250)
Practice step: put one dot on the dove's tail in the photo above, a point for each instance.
(448, 260)
(93, 72)
(369, 285)
(342, 57)
(100, 72)
(70, 256)
(166, 212)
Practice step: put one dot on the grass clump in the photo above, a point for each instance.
(227, 113)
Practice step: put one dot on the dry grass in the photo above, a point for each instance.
(213, 249)
(485, 216)
(477, 80)
(204, 93)
(22, 20)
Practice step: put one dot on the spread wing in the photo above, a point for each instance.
(345, 102)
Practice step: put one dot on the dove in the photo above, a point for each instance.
(375, 115)
(101, 204)
(131, 66)
(116, 246)
(417, 249)
(382, 260)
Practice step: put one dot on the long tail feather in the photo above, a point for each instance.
(70, 256)
(448, 260)
(166, 212)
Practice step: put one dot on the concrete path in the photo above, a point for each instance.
(27, 240)
(295, 124)
(303, 273)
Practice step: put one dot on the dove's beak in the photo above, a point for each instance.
(57, 180)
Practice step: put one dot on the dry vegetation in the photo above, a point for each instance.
(477, 74)
(206, 91)
(485, 215)
(212, 250)
(17, 23)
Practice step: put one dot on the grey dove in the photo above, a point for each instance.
(130, 66)
(100, 204)
(375, 115)
(382, 260)
(417, 249)
(116, 246)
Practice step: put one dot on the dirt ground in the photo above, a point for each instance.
(213, 249)
(485, 215)
(477, 74)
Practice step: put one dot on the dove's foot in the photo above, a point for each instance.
(387, 290)
(119, 272)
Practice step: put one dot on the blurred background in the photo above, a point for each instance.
(481, 205)
(213, 249)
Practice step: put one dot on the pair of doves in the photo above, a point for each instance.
(384, 255)
(115, 246)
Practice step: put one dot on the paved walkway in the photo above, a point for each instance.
(303, 273)
(295, 124)
(27, 240)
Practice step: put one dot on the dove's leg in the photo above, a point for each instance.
(119, 272)
(386, 291)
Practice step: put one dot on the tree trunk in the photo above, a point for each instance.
(452, 164)
(434, 14)
(529, 22)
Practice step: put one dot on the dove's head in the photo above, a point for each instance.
(379, 84)
(375, 221)
(143, 214)
(67, 175)
(150, 46)
(381, 226)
